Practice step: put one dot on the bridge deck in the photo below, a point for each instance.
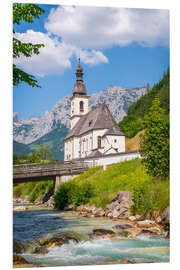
(44, 171)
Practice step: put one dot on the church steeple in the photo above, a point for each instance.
(79, 100)
(79, 88)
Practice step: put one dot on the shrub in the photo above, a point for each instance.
(143, 199)
(154, 146)
(72, 193)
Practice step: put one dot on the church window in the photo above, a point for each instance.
(99, 141)
(91, 143)
(81, 104)
(115, 141)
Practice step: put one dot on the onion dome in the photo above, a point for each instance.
(79, 88)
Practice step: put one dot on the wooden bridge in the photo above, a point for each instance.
(58, 171)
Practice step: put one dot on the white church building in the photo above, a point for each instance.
(93, 133)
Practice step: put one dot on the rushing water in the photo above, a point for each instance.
(33, 224)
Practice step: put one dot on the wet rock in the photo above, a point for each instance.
(18, 259)
(120, 204)
(50, 203)
(40, 250)
(57, 240)
(98, 212)
(17, 248)
(139, 217)
(130, 233)
(145, 223)
(126, 261)
(20, 208)
(132, 218)
(103, 233)
(69, 207)
(122, 226)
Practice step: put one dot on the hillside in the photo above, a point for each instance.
(128, 175)
(20, 148)
(55, 141)
(134, 121)
(116, 98)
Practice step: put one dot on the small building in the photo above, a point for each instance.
(93, 133)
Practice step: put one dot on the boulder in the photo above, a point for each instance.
(98, 212)
(103, 233)
(69, 207)
(50, 203)
(18, 259)
(122, 226)
(120, 204)
(20, 208)
(56, 240)
(145, 223)
(126, 261)
(40, 250)
(132, 218)
(80, 208)
(17, 248)
(167, 215)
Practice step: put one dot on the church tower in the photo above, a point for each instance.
(79, 100)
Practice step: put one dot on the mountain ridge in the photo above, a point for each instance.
(117, 99)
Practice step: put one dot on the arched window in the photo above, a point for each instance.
(81, 104)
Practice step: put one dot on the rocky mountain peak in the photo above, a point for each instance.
(116, 98)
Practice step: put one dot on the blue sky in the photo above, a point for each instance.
(123, 47)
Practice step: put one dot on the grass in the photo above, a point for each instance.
(128, 175)
(32, 189)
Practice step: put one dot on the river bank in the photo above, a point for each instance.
(47, 237)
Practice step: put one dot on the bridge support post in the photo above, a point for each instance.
(57, 181)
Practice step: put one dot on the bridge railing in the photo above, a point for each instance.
(47, 167)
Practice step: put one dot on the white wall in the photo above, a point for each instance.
(117, 142)
(111, 159)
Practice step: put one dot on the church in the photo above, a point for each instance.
(93, 133)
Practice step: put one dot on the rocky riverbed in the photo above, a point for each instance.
(46, 237)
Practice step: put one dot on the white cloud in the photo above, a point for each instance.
(98, 27)
(88, 30)
(54, 58)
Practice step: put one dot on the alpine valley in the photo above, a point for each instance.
(52, 127)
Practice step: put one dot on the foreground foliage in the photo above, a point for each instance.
(149, 193)
(135, 119)
(70, 192)
(33, 190)
(154, 146)
(42, 154)
(27, 13)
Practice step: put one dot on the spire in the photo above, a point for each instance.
(79, 87)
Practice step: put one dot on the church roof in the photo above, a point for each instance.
(98, 118)
(114, 130)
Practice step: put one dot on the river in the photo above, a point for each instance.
(30, 225)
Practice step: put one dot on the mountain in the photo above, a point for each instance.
(52, 127)
(117, 99)
(20, 148)
(134, 121)
(54, 139)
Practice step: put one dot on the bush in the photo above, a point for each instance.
(34, 190)
(143, 199)
(72, 193)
